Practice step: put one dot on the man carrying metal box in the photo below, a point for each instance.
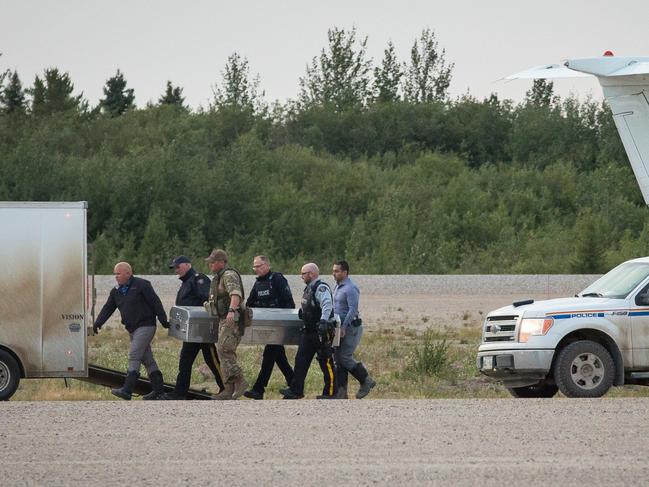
(271, 290)
(226, 297)
(194, 291)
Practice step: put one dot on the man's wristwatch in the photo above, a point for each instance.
(231, 310)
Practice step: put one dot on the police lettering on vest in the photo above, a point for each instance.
(265, 297)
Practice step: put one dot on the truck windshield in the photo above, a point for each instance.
(619, 282)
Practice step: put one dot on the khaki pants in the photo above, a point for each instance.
(226, 347)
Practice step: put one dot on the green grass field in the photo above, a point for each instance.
(437, 363)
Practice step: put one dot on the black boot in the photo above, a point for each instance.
(127, 389)
(342, 383)
(157, 386)
(367, 383)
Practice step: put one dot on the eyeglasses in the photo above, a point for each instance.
(305, 273)
(257, 266)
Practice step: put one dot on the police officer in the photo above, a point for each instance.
(346, 298)
(139, 305)
(316, 339)
(271, 290)
(226, 295)
(194, 291)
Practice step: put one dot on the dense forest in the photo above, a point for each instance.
(372, 162)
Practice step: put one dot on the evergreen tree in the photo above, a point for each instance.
(53, 93)
(3, 74)
(237, 89)
(589, 245)
(428, 76)
(542, 94)
(387, 77)
(173, 96)
(340, 75)
(12, 95)
(117, 98)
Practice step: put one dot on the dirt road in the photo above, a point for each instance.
(380, 442)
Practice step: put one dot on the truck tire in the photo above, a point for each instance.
(584, 369)
(9, 375)
(536, 390)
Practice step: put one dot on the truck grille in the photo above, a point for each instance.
(500, 329)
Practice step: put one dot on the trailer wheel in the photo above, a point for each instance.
(9, 375)
(536, 390)
(584, 369)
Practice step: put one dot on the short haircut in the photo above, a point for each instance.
(124, 265)
(343, 264)
(262, 258)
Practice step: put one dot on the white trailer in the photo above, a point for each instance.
(43, 292)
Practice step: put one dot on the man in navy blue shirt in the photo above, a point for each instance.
(194, 291)
(346, 298)
(139, 306)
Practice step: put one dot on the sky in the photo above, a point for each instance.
(189, 42)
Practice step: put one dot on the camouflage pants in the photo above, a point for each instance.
(226, 347)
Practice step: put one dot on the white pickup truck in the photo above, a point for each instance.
(581, 346)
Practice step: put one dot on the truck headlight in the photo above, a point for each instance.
(534, 326)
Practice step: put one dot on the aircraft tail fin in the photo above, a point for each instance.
(625, 82)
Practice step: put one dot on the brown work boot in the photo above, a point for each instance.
(240, 386)
(226, 393)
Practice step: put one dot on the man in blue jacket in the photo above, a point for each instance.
(139, 306)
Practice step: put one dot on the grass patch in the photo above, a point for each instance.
(436, 363)
(430, 357)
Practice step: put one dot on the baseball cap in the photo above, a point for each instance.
(217, 254)
(181, 259)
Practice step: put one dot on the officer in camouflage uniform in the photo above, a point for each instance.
(226, 295)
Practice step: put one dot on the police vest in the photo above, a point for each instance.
(311, 310)
(266, 295)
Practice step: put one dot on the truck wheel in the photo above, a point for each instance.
(584, 369)
(536, 390)
(9, 375)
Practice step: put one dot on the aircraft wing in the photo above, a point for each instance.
(632, 69)
(548, 71)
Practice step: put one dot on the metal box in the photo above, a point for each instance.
(269, 326)
(192, 324)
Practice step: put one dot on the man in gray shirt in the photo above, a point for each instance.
(346, 298)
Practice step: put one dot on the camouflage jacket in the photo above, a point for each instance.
(226, 283)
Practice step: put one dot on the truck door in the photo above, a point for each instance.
(639, 318)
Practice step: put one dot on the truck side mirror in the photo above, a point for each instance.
(642, 298)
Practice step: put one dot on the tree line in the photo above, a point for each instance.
(372, 163)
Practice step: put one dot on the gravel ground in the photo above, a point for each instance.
(381, 442)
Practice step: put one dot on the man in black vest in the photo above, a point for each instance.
(271, 290)
(194, 291)
(317, 314)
